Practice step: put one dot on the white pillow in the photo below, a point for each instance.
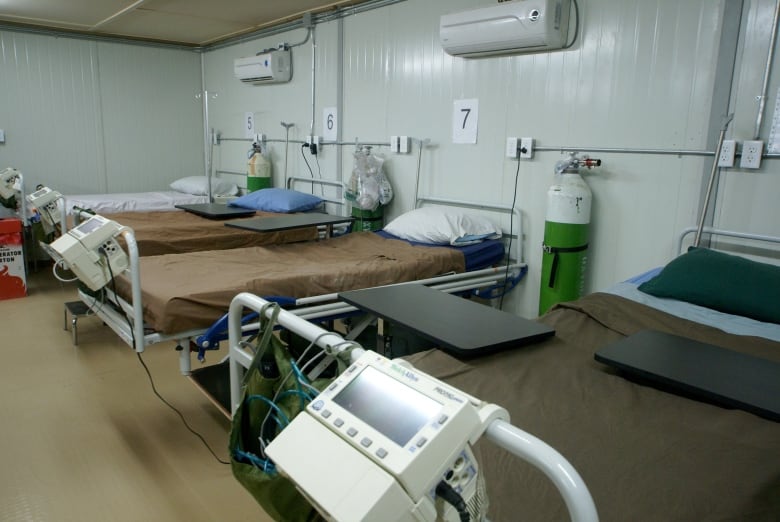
(440, 226)
(198, 186)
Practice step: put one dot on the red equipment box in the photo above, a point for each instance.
(13, 282)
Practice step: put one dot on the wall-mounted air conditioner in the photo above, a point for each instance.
(519, 26)
(269, 67)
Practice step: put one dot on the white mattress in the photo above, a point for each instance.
(132, 201)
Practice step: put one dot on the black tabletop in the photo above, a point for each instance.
(457, 325)
(704, 371)
(287, 222)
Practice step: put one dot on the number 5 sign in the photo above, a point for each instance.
(465, 121)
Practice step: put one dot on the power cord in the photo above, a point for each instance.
(311, 172)
(452, 497)
(149, 374)
(179, 413)
(511, 233)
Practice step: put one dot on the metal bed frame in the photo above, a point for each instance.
(126, 318)
(721, 232)
(518, 442)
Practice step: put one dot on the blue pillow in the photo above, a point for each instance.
(277, 200)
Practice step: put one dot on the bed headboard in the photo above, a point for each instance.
(321, 182)
(766, 253)
(515, 234)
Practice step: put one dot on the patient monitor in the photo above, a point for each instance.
(10, 183)
(379, 440)
(46, 201)
(91, 251)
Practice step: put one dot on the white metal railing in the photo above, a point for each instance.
(518, 442)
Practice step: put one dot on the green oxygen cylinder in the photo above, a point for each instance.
(258, 169)
(565, 249)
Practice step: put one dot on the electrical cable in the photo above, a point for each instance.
(452, 497)
(319, 173)
(180, 414)
(57, 276)
(311, 172)
(149, 374)
(511, 233)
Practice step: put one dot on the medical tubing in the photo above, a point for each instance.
(279, 389)
(452, 497)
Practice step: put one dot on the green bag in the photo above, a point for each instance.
(276, 494)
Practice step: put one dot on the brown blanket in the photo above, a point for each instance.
(176, 232)
(645, 454)
(190, 291)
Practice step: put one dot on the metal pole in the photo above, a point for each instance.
(713, 174)
(767, 70)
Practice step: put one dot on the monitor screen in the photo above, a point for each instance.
(394, 409)
(89, 226)
(39, 193)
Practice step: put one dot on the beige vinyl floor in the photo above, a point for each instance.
(82, 436)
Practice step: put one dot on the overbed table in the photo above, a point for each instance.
(461, 327)
(275, 224)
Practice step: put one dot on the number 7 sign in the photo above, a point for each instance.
(465, 121)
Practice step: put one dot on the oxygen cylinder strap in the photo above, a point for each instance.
(559, 250)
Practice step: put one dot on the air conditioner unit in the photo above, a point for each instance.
(270, 67)
(519, 26)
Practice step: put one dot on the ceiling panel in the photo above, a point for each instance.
(72, 13)
(188, 22)
(155, 25)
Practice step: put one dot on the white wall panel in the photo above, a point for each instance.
(152, 120)
(50, 111)
(88, 117)
(641, 75)
(747, 199)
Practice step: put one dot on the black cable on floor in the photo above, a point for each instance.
(181, 416)
(149, 374)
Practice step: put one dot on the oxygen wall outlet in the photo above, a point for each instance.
(727, 151)
(751, 154)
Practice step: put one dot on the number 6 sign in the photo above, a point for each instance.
(465, 121)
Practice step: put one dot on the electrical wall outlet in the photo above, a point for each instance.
(527, 148)
(511, 147)
(727, 151)
(751, 154)
(2, 136)
(314, 143)
(400, 144)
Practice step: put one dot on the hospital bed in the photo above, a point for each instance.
(178, 296)
(173, 232)
(184, 191)
(644, 452)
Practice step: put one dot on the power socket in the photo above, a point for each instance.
(511, 147)
(527, 148)
(400, 144)
(751, 154)
(727, 152)
(314, 143)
